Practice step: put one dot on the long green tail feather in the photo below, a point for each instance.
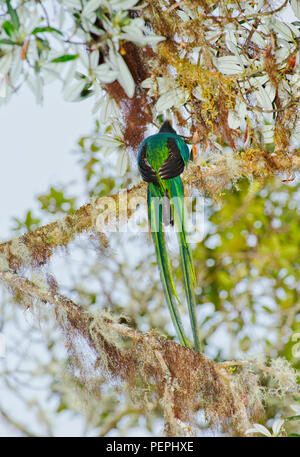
(155, 221)
(188, 272)
(176, 194)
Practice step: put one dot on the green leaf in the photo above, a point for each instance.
(45, 29)
(65, 58)
(8, 28)
(94, 148)
(37, 67)
(7, 41)
(86, 92)
(13, 15)
(29, 223)
(42, 45)
(56, 201)
(61, 407)
(292, 418)
(296, 435)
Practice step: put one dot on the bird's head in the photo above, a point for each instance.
(167, 128)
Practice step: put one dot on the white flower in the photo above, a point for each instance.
(5, 63)
(265, 95)
(109, 110)
(94, 59)
(72, 92)
(276, 427)
(296, 7)
(258, 428)
(236, 117)
(108, 144)
(90, 7)
(123, 74)
(105, 74)
(122, 162)
(281, 28)
(294, 81)
(135, 32)
(175, 97)
(147, 83)
(108, 141)
(262, 430)
(122, 4)
(183, 16)
(296, 408)
(170, 94)
(229, 65)
(197, 92)
(268, 133)
(73, 3)
(257, 39)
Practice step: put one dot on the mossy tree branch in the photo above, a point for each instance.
(35, 248)
(184, 381)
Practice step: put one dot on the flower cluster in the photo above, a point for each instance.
(77, 42)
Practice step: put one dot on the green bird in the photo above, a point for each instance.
(161, 160)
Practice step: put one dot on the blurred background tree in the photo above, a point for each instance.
(227, 75)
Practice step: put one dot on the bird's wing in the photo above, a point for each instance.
(147, 172)
(174, 164)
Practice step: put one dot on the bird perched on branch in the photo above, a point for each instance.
(161, 160)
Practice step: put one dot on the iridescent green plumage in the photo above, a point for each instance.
(161, 160)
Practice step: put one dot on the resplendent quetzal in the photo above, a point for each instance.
(161, 160)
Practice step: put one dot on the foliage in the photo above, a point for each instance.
(226, 73)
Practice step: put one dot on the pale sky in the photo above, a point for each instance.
(36, 144)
